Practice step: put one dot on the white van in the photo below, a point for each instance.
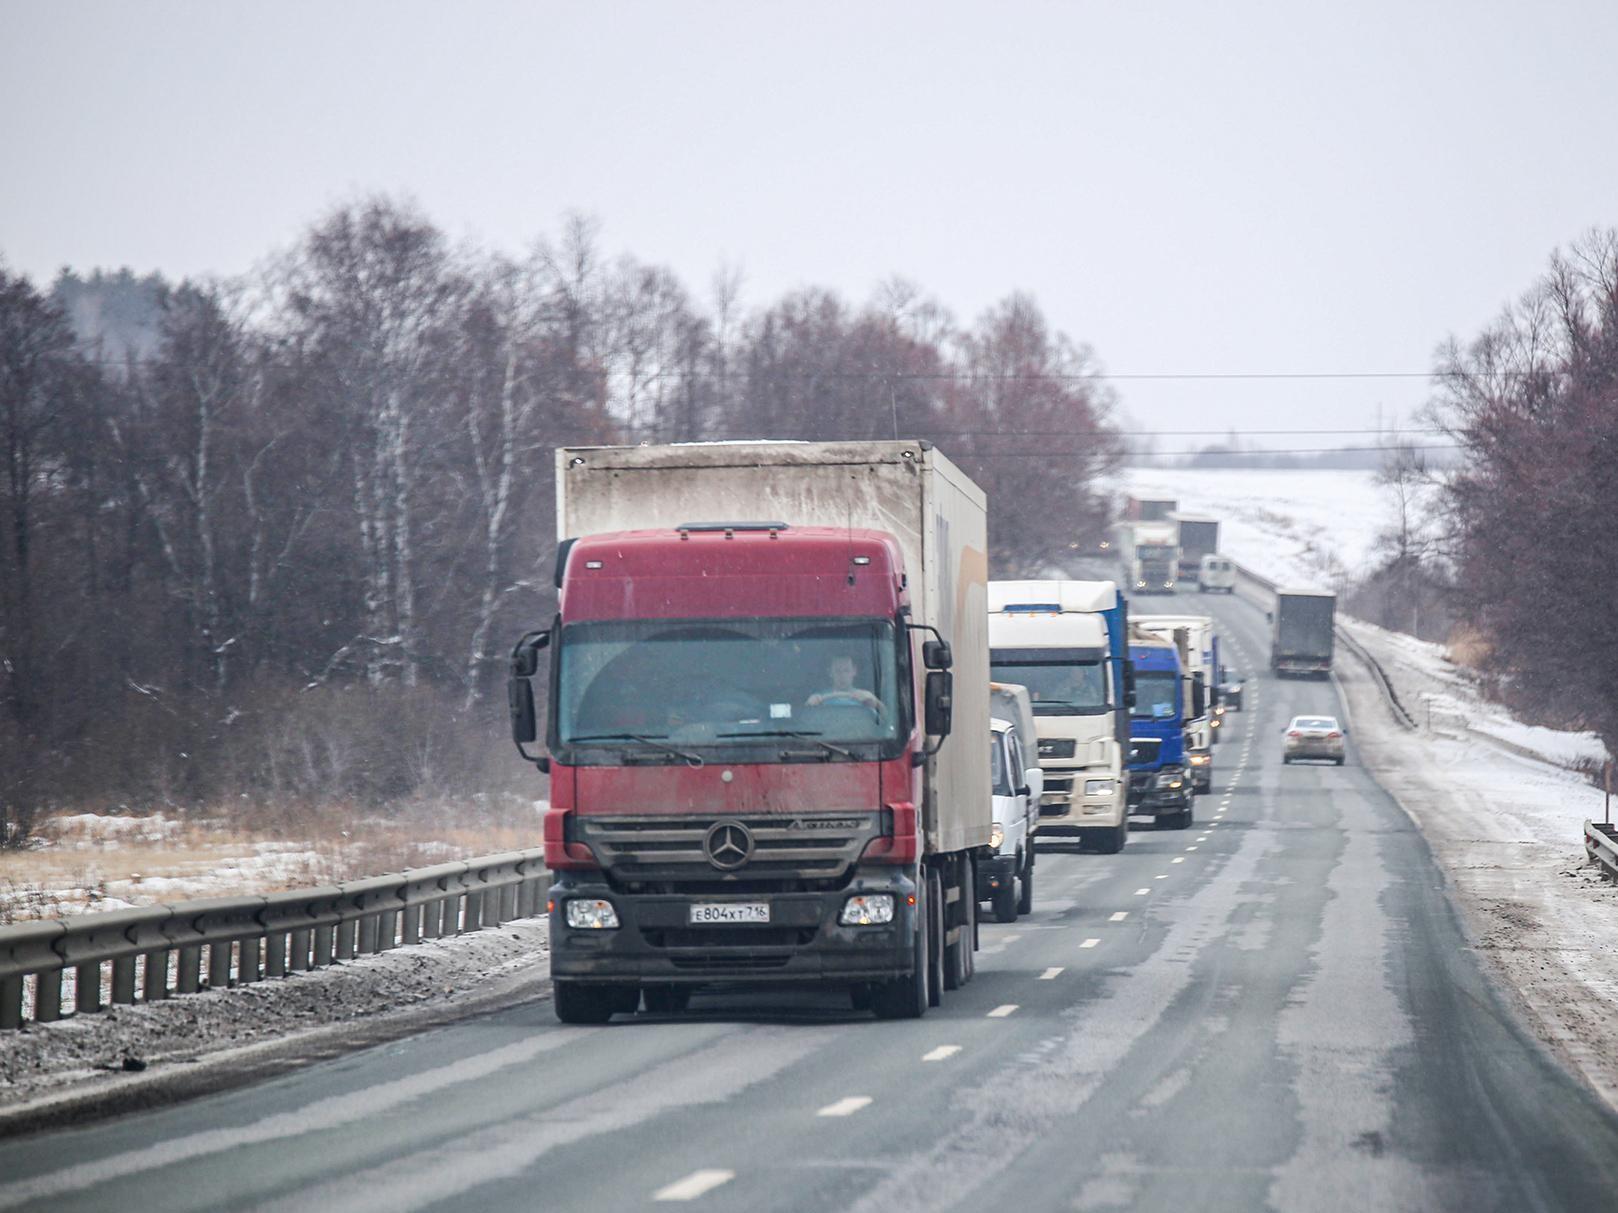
(1006, 880)
(1216, 574)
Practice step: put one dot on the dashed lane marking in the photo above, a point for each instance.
(1051, 974)
(1002, 1011)
(694, 1185)
(1190, 849)
(1176, 859)
(846, 1107)
(1142, 892)
(1164, 876)
(943, 1052)
(1089, 943)
(1119, 916)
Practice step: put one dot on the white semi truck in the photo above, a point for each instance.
(1067, 642)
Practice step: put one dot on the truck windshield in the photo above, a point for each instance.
(1157, 694)
(1057, 687)
(783, 683)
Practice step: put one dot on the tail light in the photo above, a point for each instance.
(1294, 733)
(898, 843)
(1334, 735)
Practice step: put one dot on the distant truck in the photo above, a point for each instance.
(1302, 632)
(1196, 637)
(1159, 774)
(1216, 575)
(1154, 557)
(1198, 537)
(1067, 642)
(1149, 509)
(768, 723)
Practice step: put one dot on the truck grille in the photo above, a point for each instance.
(729, 937)
(1057, 788)
(1056, 747)
(811, 847)
(1143, 751)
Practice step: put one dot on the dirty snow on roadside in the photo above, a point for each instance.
(246, 1028)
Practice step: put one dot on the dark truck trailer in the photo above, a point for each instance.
(1149, 509)
(1302, 624)
(1199, 537)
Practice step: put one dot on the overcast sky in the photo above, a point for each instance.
(1206, 187)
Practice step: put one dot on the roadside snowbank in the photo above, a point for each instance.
(1505, 826)
(94, 1065)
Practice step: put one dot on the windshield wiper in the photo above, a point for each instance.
(814, 737)
(695, 760)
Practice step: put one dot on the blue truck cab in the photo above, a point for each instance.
(1159, 770)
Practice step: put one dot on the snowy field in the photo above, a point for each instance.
(1295, 527)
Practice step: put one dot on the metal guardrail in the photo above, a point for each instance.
(245, 939)
(1601, 846)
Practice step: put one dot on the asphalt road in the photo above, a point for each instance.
(1275, 1009)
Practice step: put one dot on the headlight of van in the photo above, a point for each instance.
(1098, 787)
(997, 835)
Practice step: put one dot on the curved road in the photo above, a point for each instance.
(1275, 1009)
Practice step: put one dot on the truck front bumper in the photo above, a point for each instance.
(803, 941)
(1146, 800)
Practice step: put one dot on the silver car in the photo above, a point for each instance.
(1314, 737)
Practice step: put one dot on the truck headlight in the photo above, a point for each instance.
(1200, 760)
(1169, 779)
(1098, 787)
(867, 910)
(591, 914)
(997, 835)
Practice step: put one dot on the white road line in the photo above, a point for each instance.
(1009, 937)
(694, 1185)
(1051, 974)
(846, 1107)
(1176, 859)
(1119, 916)
(945, 1051)
(1089, 943)
(1190, 849)
(1142, 892)
(1164, 876)
(1001, 1012)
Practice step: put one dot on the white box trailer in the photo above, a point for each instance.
(907, 489)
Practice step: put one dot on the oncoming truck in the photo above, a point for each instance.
(1066, 641)
(768, 713)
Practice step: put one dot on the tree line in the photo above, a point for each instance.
(275, 547)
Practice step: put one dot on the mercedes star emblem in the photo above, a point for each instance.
(729, 844)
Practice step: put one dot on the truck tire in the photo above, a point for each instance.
(1005, 902)
(1339, 762)
(581, 1004)
(666, 1000)
(958, 961)
(1110, 842)
(906, 997)
(935, 944)
(1025, 894)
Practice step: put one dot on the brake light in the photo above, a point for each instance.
(899, 843)
(1294, 733)
(1334, 734)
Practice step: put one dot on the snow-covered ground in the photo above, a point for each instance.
(1295, 527)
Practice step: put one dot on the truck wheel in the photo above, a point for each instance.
(1339, 762)
(1005, 902)
(1112, 841)
(666, 1000)
(582, 1004)
(958, 961)
(935, 944)
(1025, 896)
(1182, 819)
(906, 997)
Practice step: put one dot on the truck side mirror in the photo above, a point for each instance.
(940, 702)
(937, 655)
(1199, 696)
(1213, 694)
(1269, 616)
(1129, 683)
(525, 653)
